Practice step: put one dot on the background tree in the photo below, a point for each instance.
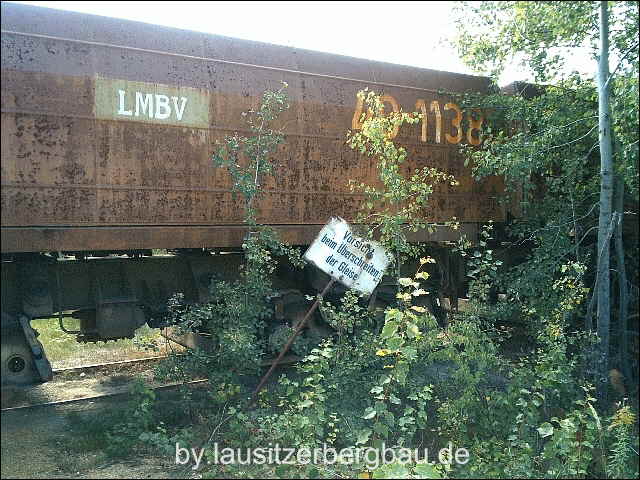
(552, 156)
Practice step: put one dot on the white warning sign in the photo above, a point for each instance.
(355, 262)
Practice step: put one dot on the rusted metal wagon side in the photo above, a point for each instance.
(108, 127)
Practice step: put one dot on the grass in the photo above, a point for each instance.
(63, 350)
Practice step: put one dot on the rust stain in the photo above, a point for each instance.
(63, 167)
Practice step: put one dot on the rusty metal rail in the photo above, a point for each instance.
(59, 371)
(106, 365)
(98, 397)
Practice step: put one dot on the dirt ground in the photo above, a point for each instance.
(47, 442)
(34, 446)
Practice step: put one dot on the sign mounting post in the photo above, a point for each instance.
(353, 261)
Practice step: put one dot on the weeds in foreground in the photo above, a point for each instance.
(399, 379)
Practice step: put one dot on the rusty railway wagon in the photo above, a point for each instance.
(108, 127)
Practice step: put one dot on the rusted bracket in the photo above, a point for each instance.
(43, 366)
(291, 340)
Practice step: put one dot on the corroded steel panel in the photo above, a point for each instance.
(76, 156)
(133, 238)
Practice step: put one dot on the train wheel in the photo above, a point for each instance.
(18, 366)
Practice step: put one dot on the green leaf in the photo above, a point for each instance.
(402, 369)
(409, 352)
(393, 314)
(392, 470)
(426, 470)
(406, 421)
(545, 430)
(282, 470)
(313, 472)
(381, 429)
(389, 418)
(412, 330)
(403, 296)
(363, 436)
(306, 403)
(390, 328)
(369, 413)
(394, 343)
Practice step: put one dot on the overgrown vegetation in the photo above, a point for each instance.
(397, 378)
(547, 142)
(64, 351)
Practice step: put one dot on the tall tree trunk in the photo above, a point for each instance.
(622, 280)
(604, 225)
